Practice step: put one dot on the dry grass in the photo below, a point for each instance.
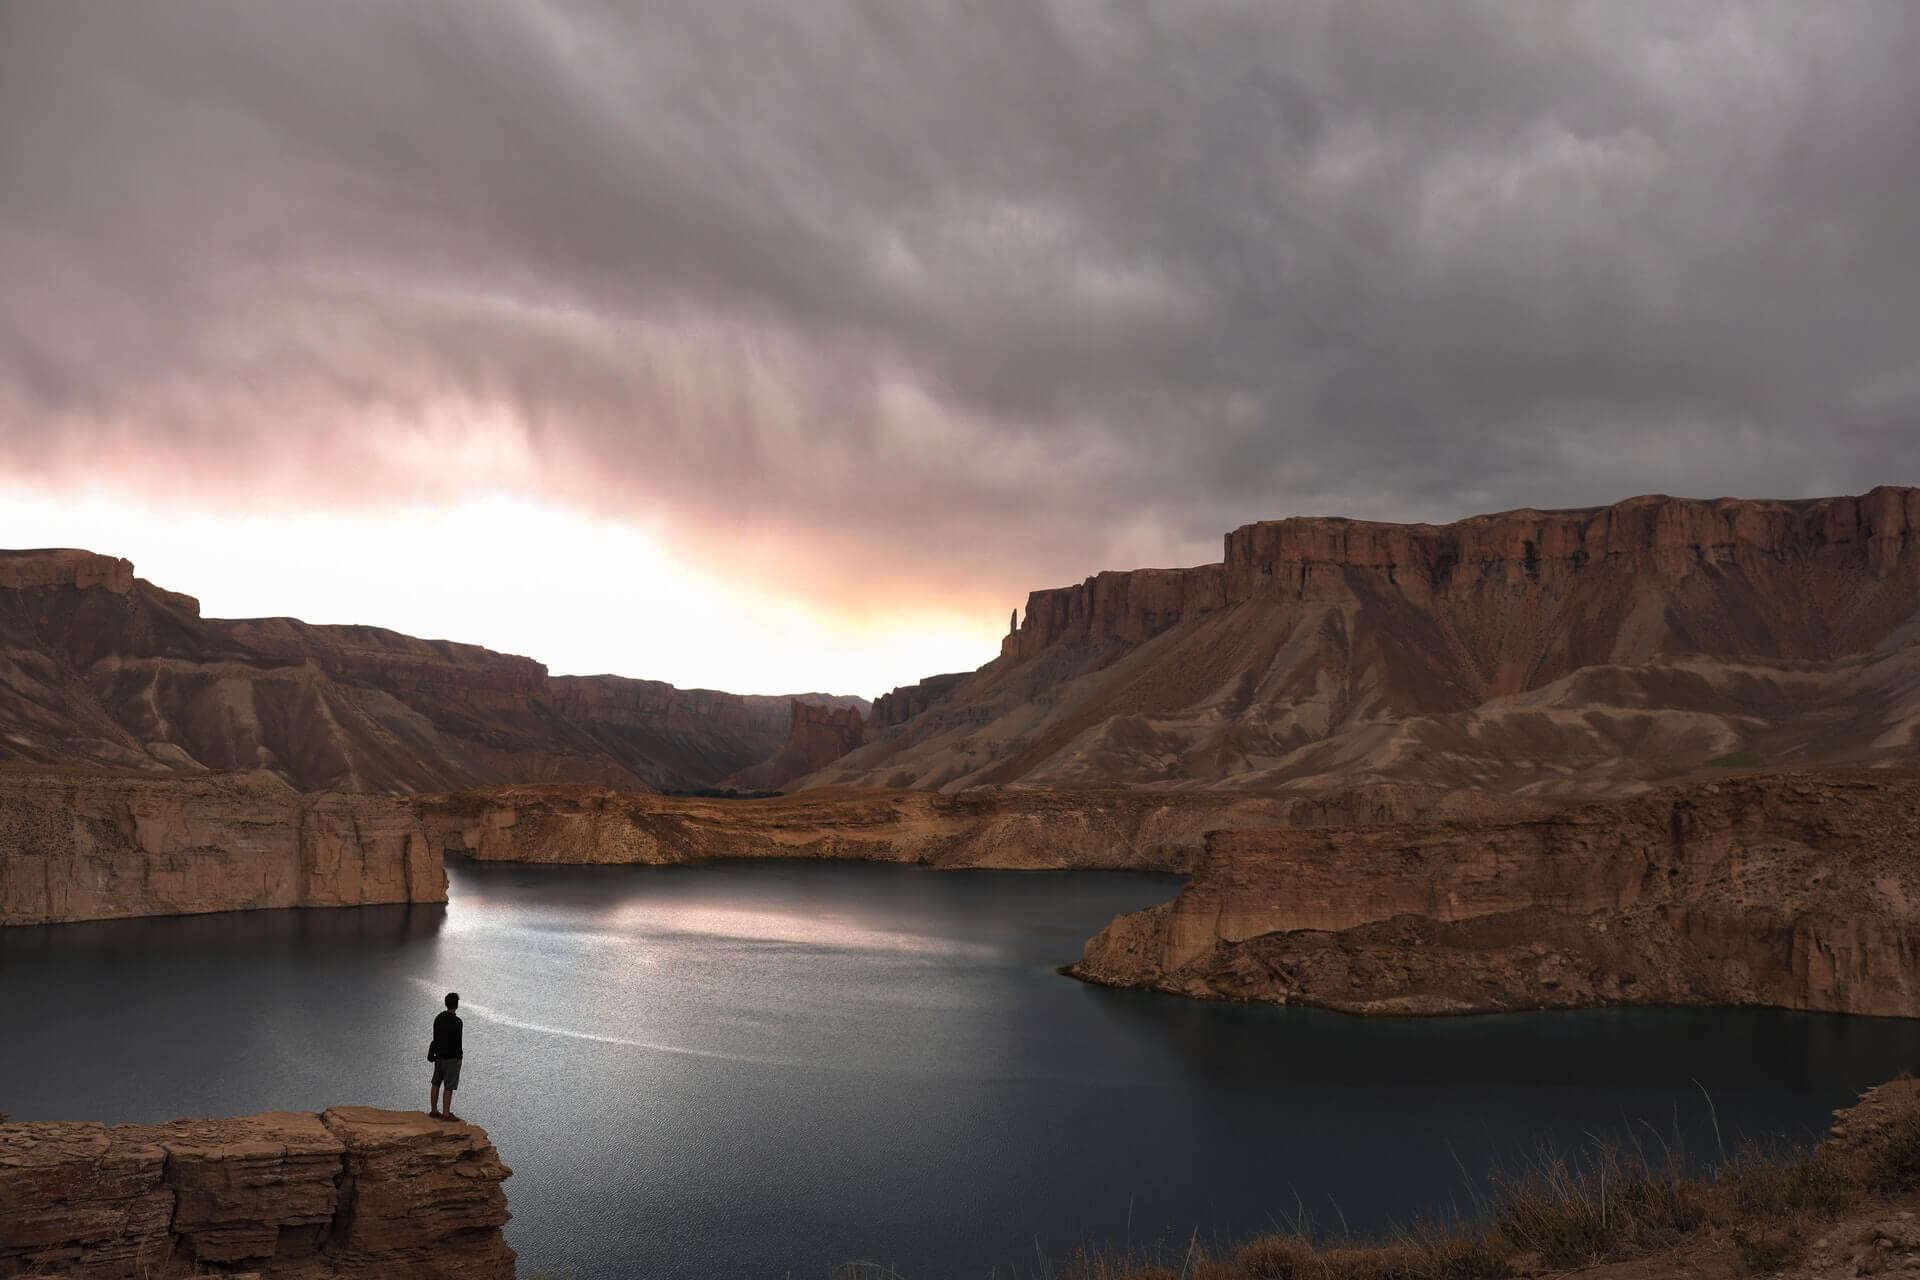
(1612, 1204)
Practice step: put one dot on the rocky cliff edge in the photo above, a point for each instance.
(348, 1194)
(1131, 830)
(1792, 890)
(1658, 540)
(1574, 653)
(102, 844)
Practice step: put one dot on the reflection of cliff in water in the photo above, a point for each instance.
(237, 933)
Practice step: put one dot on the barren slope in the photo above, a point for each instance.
(98, 667)
(1566, 652)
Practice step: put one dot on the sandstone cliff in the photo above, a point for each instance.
(98, 667)
(1013, 829)
(99, 845)
(1565, 652)
(350, 1193)
(819, 736)
(63, 567)
(1792, 890)
(904, 702)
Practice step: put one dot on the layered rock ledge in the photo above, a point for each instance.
(105, 844)
(1794, 890)
(1754, 546)
(351, 1193)
(109, 844)
(1040, 830)
(1578, 654)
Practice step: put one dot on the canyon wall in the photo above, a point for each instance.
(904, 702)
(101, 845)
(1012, 829)
(64, 567)
(1571, 653)
(100, 668)
(104, 845)
(1499, 583)
(818, 737)
(1790, 890)
(353, 1193)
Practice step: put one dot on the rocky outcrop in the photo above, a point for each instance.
(1741, 554)
(101, 845)
(1792, 890)
(100, 668)
(819, 736)
(352, 1192)
(64, 567)
(1564, 652)
(1011, 829)
(904, 702)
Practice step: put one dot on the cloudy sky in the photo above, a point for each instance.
(787, 345)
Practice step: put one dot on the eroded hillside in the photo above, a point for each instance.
(98, 667)
(1559, 652)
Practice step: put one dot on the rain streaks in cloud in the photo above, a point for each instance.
(922, 306)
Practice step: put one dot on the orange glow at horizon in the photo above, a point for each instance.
(583, 596)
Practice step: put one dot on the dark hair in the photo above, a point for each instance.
(453, 998)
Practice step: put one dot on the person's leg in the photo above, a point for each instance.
(449, 1080)
(433, 1100)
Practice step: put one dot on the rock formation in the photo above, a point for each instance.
(1564, 652)
(347, 1194)
(905, 702)
(104, 844)
(819, 736)
(1793, 890)
(98, 667)
(63, 567)
(1160, 831)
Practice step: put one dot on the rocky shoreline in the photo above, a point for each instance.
(1797, 891)
(353, 1193)
(107, 844)
(356, 1193)
(1026, 830)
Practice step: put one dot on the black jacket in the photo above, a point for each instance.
(446, 1036)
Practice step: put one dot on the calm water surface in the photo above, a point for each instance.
(755, 1069)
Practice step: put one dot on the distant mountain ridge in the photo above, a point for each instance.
(1549, 651)
(99, 667)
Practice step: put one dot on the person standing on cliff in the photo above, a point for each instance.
(445, 1053)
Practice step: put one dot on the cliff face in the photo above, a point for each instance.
(1754, 579)
(1013, 829)
(98, 667)
(350, 1193)
(904, 702)
(1572, 652)
(819, 736)
(64, 567)
(99, 846)
(1793, 890)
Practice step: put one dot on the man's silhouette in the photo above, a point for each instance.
(444, 1052)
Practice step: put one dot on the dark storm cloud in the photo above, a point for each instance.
(999, 291)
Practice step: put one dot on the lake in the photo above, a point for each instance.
(773, 1068)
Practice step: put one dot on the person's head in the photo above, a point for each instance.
(453, 999)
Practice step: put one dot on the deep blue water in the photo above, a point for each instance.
(755, 1069)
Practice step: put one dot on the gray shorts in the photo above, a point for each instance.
(446, 1071)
